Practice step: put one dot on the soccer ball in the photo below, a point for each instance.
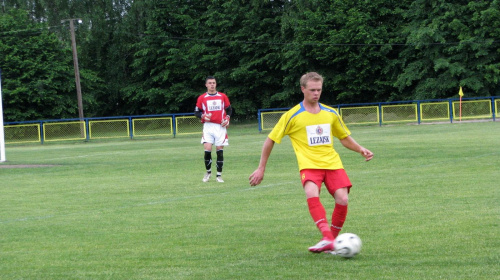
(347, 245)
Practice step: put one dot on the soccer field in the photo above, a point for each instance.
(426, 207)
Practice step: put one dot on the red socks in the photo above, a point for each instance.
(319, 217)
(338, 219)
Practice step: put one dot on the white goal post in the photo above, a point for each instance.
(2, 135)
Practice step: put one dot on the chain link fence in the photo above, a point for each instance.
(172, 125)
(399, 113)
(497, 105)
(437, 111)
(22, 133)
(269, 119)
(59, 131)
(152, 127)
(360, 115)
(403, 112)
(109, 129)
(188, 125)
(99, 128)
(477, 109)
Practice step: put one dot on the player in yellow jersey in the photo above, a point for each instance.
(311, 127)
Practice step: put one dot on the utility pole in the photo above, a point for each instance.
(77, 73)
(75, 63)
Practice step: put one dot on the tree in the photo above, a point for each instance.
(106, 38)
(37, 71)
(245, 50)
(450, 44)
(350, 43)
(163, 65)
(152, 57)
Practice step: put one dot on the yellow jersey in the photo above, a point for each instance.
(312, 136)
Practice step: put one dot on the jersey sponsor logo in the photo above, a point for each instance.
(214, 105)
(313, 141)
(318, 135)
(319, 130)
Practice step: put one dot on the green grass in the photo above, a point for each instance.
(426, 207)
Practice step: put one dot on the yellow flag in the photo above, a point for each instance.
(461, 93)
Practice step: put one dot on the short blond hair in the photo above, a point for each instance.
(311, 76)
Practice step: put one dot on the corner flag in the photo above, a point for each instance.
(461, 93)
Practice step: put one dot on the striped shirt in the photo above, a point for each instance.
(214, 104)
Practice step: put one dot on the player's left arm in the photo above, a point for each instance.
(352, 145)
(229, 112)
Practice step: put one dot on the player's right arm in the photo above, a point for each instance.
(258, 175)
(199, 112)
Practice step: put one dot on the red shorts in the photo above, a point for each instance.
(333, 179)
